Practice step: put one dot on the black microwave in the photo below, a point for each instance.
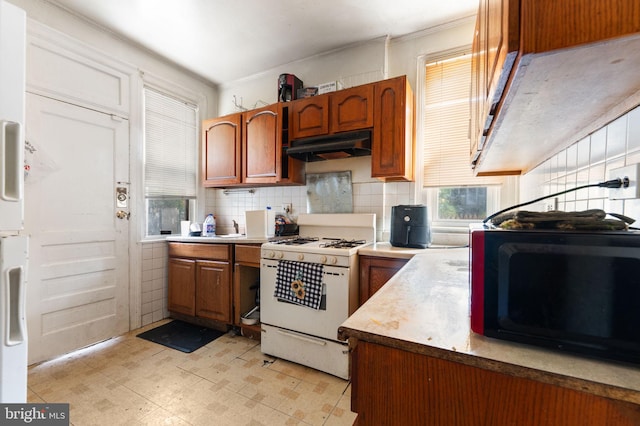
(573, 291)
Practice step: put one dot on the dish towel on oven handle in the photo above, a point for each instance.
(299, 283)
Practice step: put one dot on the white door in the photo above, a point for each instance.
(78, 284)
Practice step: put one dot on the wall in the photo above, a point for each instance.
(352, 65)
(585, 162)
(119, 48)
(148, 281)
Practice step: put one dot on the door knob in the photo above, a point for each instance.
(121, 214)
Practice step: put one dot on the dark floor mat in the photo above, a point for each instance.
(181, 335)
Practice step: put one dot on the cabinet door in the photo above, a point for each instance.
(494, 50)
(393, 142)
(182, 286)
(221, 145)
(262, 145)
(375, 272)
(478, 84)
(213, 290)
(352, 109)
(310, 117)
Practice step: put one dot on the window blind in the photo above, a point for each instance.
(170, 147)
(446, 125)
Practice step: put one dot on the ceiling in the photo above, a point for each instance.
(224, 40)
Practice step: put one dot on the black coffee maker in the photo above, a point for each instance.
(410, 226)
(288, 85)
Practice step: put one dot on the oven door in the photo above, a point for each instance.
(323, 322)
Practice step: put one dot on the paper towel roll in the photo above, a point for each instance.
(184, 228)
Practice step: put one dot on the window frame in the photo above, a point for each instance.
(183, 94)
(498, 195)
(458, 225)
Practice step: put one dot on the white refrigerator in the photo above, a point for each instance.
(13, 245)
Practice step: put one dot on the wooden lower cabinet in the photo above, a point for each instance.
(200, 281)
(182, 286)
(392, 386)
(375, 272)
(213, 291)
(246, 274)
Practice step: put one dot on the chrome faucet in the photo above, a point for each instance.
(235, 226)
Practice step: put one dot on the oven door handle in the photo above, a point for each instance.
(307, 339)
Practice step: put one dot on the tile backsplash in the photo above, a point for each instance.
(369, 196)
(585, 162)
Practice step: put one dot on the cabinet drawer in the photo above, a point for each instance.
(200, 251)
(248, 254)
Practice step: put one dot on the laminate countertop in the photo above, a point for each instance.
(424, 309)
(385, 249)
(218, 240)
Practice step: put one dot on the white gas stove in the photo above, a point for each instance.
(326, 251)
(309, 286)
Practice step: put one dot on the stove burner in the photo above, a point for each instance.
(296, 241)
(340, 243)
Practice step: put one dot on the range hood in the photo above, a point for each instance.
(331, 147)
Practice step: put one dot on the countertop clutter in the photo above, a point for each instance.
(423, 311)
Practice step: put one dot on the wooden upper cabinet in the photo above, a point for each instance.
(495, 48)
(352, 109)
(310, 117)
(551, 24)
(540, 67)
(221, 148)
(340, 111)
(249, 148)
(262, 145)
(393, 141)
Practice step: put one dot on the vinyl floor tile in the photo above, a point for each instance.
(131, 381)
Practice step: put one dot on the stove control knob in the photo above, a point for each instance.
(300, 256)
(333, 260)
(271, 255)
(280, 255)
(323, 259)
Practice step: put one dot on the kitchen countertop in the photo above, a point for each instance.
(385, 249)
(218, 240)
(424, 309)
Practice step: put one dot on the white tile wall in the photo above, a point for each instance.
(154, 282)
(585, 162)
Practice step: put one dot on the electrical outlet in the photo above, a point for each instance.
(551, 204)
(627, 173)
(287, 208)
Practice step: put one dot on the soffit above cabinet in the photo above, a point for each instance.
(559, 97)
